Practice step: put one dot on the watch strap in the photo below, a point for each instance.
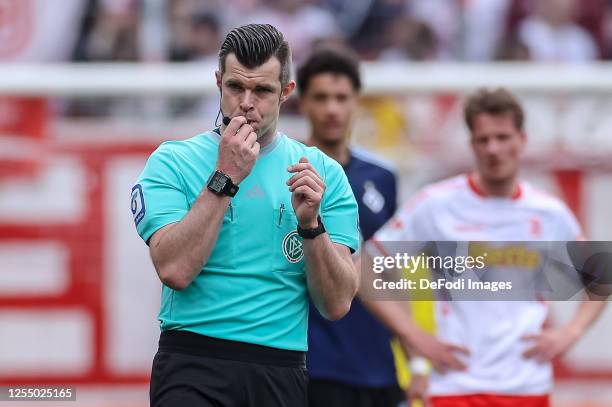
(230, 189)
(312, 233)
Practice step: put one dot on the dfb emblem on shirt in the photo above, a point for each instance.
(138, 204)
(372, 198)
(293, 247)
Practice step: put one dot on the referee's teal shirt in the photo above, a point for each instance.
(253, 286)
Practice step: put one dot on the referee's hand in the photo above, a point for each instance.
(307, 189)
(238, 150)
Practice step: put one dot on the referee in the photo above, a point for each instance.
(243, 225)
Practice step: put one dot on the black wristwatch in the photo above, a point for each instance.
(312, 233)
(221, 184)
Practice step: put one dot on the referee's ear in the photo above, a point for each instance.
(218, 78)
(287, 91)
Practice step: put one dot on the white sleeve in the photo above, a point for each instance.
(568, 228)
(411, 222)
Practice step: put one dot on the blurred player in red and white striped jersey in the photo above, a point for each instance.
(507, 350)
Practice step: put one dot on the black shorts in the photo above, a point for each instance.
(325, 393)
(195, 370)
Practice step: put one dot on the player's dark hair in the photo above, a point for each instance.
(329, 60)
(496, 102)
(254, 45)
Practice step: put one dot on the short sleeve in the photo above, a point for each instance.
(339, 207)
(158, 198)
(410, 223)
(568, 228)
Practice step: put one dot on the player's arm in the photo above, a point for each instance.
(551, 343)
(180, 250)
(554, 342)
(410, 223)
(588, 311)
(331, 276)
(397, 317)
(420, 370)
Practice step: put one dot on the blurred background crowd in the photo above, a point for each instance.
(415, 30)
(564, 31)
(443, 32)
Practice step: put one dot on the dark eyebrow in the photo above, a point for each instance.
(231, 82)
(265, 87)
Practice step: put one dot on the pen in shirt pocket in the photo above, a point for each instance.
(280, 213)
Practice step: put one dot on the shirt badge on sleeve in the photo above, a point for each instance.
(138, 204)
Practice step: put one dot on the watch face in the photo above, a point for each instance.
(217, 182)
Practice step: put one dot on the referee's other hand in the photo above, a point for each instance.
(238, 150)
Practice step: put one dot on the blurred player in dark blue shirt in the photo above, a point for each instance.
(350, 362)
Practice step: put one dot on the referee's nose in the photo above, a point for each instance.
(246, 104)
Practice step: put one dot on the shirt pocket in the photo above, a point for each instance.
(288, 246)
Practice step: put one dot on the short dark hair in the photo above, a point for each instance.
(495, 102)
(254, 45)
(329, 60)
